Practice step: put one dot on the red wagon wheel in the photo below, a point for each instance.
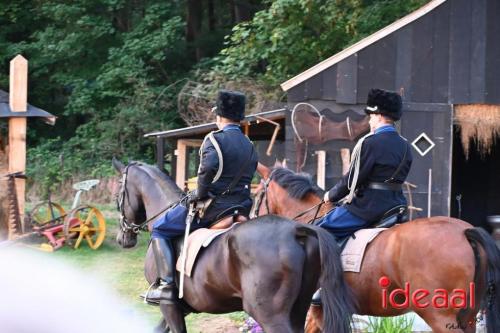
(85, 223)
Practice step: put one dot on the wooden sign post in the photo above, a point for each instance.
(18, 95)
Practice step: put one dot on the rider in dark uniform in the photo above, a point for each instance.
(228, 162)
(380, 164)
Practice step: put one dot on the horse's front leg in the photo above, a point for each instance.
(174, 317)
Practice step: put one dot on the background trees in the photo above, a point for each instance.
(111, 69)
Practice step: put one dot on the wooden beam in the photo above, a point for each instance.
(181, 153)
(321, 173)
(345, 156)
(18, 101)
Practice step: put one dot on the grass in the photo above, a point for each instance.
(122, 270)
(401, 324)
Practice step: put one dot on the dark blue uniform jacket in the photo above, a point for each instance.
(381, 155)
(237, 151)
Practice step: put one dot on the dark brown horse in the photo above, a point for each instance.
(268, 267)
(434, 253)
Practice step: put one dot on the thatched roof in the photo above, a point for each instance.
(479, 124)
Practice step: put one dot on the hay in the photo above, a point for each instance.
(196, 99)
(479, 125)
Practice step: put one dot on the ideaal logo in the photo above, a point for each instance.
(440, 298)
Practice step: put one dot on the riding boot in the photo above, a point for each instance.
(164, 290)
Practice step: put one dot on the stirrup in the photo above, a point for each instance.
(160, 287)
(316, 299)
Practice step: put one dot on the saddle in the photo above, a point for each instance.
(225, 218)
(395, 215)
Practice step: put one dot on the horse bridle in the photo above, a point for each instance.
(126, 225)
(263, 196)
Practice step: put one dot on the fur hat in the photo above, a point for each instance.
(231, 105)
(387, 103)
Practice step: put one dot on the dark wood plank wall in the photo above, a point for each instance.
(403, 63)
(460, 20)
(329, 83)
(451, 55)
(478, 51)
(376, 67)
(441, 51)
(347, 80)
(493, 52)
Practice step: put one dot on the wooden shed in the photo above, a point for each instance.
(444, 58)
(181, 146)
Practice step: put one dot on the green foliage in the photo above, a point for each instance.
(111, 70)
(292, 35)
(401, 324)
(107, 64)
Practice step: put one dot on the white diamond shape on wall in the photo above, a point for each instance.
(423, 144)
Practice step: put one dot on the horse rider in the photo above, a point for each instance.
(228, 161)
(380, 163)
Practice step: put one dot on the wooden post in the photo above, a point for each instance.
(180, 174)
(18, 100)
(345, 155)
(160, 153)
(321, 173)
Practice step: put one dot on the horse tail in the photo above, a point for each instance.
(336, 296)
(492, 302)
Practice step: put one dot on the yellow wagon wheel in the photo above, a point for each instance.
(85, 223)
(45, 212)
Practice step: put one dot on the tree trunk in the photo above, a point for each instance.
(211, 15)
(193, 27)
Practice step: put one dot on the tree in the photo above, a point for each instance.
(291, 36)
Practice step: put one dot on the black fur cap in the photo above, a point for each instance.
(231, 105)
(387, 103)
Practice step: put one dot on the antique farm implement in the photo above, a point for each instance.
(82, 223)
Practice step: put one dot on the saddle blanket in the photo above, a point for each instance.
(354, 251)
(197, 240)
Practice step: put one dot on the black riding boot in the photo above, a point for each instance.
(164, 291)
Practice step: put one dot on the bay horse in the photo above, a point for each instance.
(435, 254)
(268, 267)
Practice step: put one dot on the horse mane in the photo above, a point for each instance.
(159, 176)
(298, 185)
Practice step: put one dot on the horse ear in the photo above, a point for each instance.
(263, 171)
(119, 166)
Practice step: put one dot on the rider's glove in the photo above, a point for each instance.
(192, 196)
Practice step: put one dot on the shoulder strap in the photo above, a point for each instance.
(210, 136)
(403, 160)
(240, 174)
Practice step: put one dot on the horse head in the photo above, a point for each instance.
(145, 192)
(130, 206)
(285, 192)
